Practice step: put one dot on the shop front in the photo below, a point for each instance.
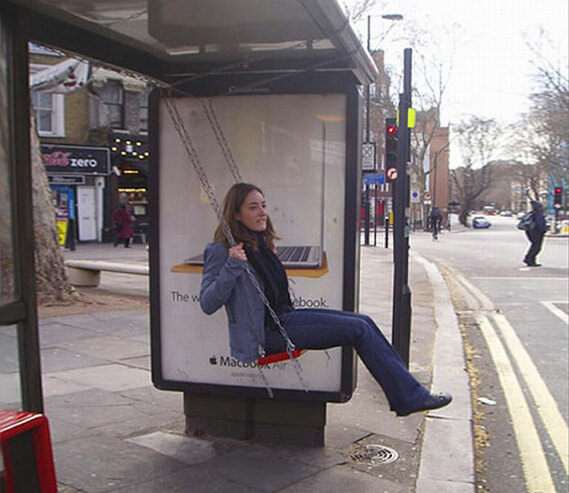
(77, 177)
(129, 158)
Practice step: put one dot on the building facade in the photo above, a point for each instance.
(94, 144)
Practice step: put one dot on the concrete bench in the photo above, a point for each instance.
(87, 273)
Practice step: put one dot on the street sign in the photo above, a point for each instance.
(415, 196)
(391, 174)
(374, 179)
(368, 157)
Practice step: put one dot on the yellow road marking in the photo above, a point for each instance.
(536, 469)
(546, 405)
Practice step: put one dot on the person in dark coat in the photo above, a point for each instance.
(535, 234)
(123, 220)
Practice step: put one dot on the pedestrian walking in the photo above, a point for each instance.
(535, 234)
(253, 332)
(434, 220)
(122, 220)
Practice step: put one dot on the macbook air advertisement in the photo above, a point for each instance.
(293, 147)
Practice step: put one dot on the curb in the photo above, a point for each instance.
(448, 437)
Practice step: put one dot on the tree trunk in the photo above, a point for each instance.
(52, 283)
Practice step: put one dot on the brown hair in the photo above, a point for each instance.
(231, 207)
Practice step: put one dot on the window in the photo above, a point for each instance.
(143, 111)
(112, 94)
(49, 110)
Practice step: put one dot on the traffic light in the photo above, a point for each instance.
(391, 143)
(557, 197)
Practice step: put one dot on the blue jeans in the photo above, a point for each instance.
(314, 328)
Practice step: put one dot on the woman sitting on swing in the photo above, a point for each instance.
(226, 283)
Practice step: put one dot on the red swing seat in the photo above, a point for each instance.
(277, 357)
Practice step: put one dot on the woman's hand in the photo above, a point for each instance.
(238, 252)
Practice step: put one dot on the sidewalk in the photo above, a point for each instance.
(112, 431)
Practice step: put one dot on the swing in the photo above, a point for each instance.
(278, 357)
(291, 353)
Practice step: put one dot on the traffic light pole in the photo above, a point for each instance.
(401, 320)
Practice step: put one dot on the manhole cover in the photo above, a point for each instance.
(374, 454)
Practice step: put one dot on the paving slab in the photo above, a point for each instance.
(100, 463)
(112, 378)
(111, 346)
(196, 478)
(183, 448)
(343, 478)
(56, 359)
(258, 469)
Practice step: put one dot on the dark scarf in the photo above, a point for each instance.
(273, 274)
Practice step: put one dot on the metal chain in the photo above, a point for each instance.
(222, 141)
(206, 186)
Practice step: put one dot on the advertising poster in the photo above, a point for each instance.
(292, 147)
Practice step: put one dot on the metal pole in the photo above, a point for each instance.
(366, 199)
(401, 292)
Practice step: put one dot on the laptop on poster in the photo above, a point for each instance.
(292, 257)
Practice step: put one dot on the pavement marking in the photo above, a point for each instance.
(546, 405)
(484, 302)
(534, 463)
(522, 278)
(550, 305)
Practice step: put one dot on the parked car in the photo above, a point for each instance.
(480, 222)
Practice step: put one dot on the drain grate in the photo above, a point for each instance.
(374, 454)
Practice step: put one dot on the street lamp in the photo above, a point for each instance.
(389, 17)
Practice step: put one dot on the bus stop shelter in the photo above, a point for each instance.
(206, 46)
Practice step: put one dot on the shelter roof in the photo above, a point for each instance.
(169, 39)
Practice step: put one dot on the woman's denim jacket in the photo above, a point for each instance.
(226, 283)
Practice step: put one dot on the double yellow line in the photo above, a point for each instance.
(536, 470)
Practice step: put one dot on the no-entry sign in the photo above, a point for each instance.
(391, 173)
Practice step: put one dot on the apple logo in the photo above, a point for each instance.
(213, 360)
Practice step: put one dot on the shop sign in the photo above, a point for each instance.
(66, 180)
(76, 160)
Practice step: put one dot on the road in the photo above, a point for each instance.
(515, 323)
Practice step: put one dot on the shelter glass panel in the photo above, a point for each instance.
(10, 392)
(6, 218)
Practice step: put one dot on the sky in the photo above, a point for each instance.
(491, 69)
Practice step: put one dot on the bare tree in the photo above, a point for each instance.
(431, 75)
(356, 10)
(478, 141)
(548, 118)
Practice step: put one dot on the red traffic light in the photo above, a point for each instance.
(558, 190)
(391, 129)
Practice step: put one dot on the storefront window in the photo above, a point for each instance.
(6, 247)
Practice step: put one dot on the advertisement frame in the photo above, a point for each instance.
(300, 84)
